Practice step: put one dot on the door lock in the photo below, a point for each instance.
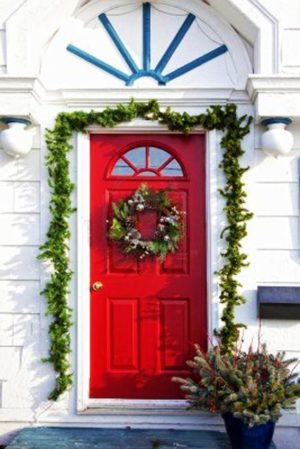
(97, 286)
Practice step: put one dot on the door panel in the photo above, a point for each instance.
(148, 315)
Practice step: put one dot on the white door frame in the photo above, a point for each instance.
(213, 211)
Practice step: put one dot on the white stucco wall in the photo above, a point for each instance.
(272, 184)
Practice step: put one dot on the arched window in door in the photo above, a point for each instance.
(147, 160)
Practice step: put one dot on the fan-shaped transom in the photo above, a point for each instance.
(113, 43)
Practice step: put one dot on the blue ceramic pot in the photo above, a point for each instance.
(243, 437)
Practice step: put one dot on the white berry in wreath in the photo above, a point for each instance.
(169, 229)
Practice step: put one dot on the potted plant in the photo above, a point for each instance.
(248, 388)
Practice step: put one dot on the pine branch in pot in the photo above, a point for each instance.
(248, 388)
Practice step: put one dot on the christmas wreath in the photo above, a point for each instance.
(124, 224)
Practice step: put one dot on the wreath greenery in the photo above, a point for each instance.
(56, 248)
(124, 224)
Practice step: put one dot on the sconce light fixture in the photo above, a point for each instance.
(276, 140)
(16, 140)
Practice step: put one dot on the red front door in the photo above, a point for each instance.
(147, 316)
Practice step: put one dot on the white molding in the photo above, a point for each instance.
(29, 95)
(147, 420)
(212, 231)
(258, 26)
(184, 97)
(275, 95)
(83, 403)
(17, 84)
(272, 84)
(138, 406)
(138, 126)
(83, 269)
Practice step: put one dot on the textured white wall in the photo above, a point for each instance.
(19, 279)
(273, 240)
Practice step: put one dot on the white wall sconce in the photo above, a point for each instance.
(16, 140)
(277, 141)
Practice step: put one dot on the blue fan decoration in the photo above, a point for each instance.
(146, 70)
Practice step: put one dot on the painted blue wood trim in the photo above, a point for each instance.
(146, 70)
(150, 73)
(118, 42)
(279, 303)
(278, 295)
(196, 63)
(93, 438)
(175, 43)
(146, 36)
(10, 119)
(98, 63)
(274, 120)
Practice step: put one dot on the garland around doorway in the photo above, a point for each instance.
(56, 248)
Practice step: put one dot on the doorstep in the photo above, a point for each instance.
(91, 438)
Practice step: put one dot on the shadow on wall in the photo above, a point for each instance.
(24, 380)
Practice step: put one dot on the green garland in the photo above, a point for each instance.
(123, 228)
(55, 250)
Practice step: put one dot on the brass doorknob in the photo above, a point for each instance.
(97, 286)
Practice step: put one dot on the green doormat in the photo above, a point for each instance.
(91, 438)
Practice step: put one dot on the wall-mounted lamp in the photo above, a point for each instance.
(16, 140)
(277, 141)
